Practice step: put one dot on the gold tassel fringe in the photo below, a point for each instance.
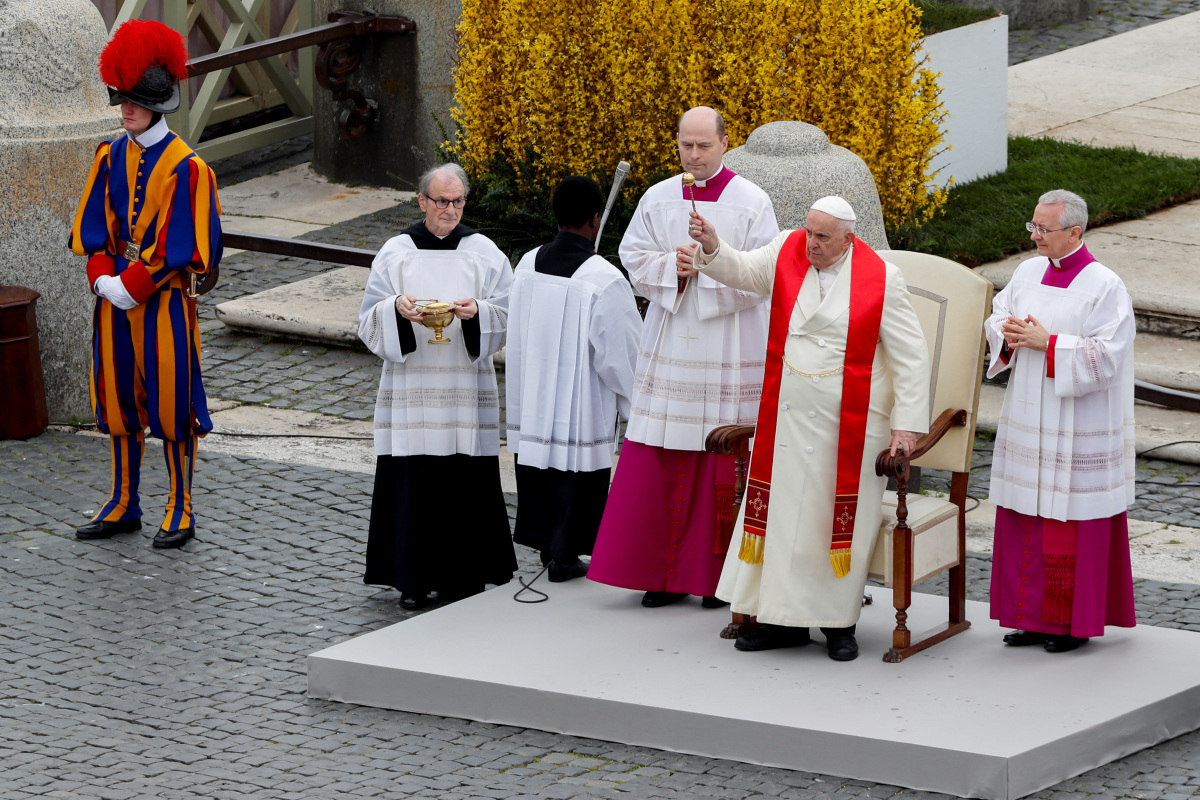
(840, 558)
(751, 550)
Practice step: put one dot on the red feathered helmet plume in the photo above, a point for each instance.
(143, 64)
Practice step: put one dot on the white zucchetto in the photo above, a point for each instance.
(835, 207)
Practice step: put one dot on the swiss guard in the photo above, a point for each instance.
(149, 223)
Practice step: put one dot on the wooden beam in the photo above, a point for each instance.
(263, 135)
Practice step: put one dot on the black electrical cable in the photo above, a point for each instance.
(1168, 444)
(528, 587)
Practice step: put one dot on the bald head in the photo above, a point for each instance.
(701, 117)
(702, 141)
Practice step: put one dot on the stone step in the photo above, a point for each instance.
(323, 308)
(1171, 361)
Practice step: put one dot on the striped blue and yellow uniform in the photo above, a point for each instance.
(161, 202)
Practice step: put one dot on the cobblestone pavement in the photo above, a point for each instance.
(1116, 16)
(128, 672)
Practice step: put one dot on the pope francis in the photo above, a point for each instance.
(847, 367)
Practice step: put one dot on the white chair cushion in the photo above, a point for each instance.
(934, 522)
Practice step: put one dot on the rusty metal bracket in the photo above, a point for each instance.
(338, 59)
(340, 42)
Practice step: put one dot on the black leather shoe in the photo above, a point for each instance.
(562, 571)
(413, 602)
(772, 637)
(713, 602)
(660, 599)
(1024, 638)
(166, 539)
(1063, 644)
(103, 530)
(842, 648)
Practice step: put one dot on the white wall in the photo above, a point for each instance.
(973, 61)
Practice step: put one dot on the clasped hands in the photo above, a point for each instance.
(406, 304)
(1027, 333)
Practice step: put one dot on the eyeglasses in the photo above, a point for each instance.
(1040, 231)
(442, 202)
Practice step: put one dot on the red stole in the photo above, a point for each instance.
(867, 283)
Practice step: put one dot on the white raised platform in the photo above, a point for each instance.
(969, 717)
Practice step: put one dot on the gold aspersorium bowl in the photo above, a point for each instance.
(436, 315)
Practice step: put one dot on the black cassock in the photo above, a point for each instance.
(419, 538)
(558, 512)
(421, 541)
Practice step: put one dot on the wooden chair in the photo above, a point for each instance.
(920, 535)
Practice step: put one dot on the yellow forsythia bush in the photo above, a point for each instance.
(591, 82)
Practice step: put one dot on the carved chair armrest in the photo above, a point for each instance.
(896, 466)
(729, 440)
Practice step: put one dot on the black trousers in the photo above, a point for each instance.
(558, 513)
(439, 523)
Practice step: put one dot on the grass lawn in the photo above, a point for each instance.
(940, 16)
(984, 220)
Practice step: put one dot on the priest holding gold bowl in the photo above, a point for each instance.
(437, 416)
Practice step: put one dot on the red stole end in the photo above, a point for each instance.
(867, 283)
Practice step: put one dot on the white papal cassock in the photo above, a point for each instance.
(700, 365)
(795, 585)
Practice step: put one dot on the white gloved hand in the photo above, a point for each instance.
(114, 291)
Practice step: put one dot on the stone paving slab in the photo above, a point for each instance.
(1099, 93)
(1115, 17)
(263, 161)
(298, 194)
(130, 672)
(1145, 127)
(323, 308)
